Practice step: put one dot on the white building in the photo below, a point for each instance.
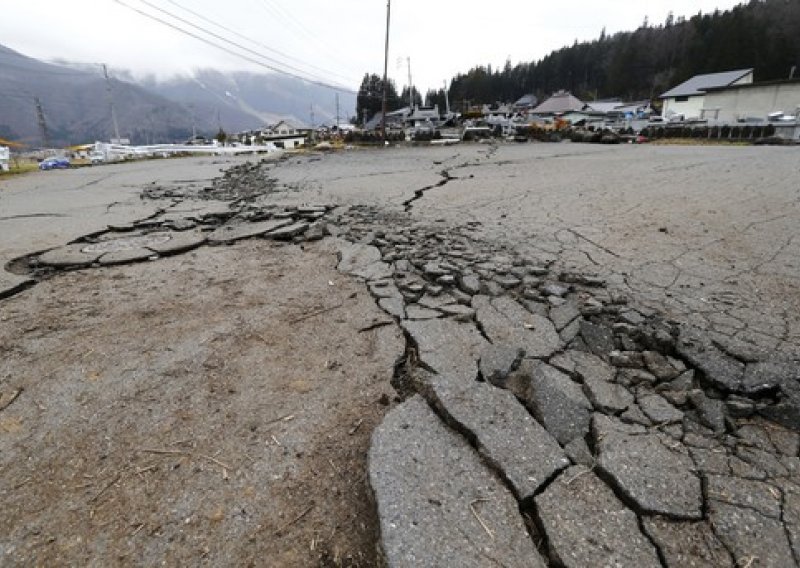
(753, 102)
(284, 135)
(687, 100)
(5, 157)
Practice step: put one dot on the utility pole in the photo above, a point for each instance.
(42, 123)
(385, 71)
(337, 112)
(410, 88)
(311, 113)
(446, 98)
(111, 103)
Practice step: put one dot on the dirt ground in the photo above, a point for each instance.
(211, 409)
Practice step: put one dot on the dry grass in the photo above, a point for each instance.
(19, 168)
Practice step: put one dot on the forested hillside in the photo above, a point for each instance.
(763, 34)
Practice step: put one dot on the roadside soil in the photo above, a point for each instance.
(210, 409)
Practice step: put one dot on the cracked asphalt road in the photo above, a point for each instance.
(706, 235)
(47, 209)
(710, 235)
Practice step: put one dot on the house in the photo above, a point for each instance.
(284, 134)
(560, 102)
(497, 110)
(752, 102)
(394, 119)
(525, 103)
(687, 100)
(424, 116)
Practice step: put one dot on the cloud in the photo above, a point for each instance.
(337, 41)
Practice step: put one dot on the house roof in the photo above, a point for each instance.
(391, 117)
(527, 101)
(604, 106)
(698, 84)
(773, 83)
(562, 101)
(424, 112)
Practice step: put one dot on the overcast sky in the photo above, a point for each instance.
(335, 41)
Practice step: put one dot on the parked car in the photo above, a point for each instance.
(97, 157)
(54, 164)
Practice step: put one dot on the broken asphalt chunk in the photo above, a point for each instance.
(721, 371)
(430, 517)
(654, 478)
(363, 261)
(288, 232)
(232, 232)
(506, 434)
(507, 322)
(586, 525)
(558, 403)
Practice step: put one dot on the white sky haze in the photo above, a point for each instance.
(335, 41)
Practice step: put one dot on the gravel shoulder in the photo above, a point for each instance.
(208, 409)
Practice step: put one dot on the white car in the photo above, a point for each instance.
(97, 157)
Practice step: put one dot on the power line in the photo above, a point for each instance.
(254, 42)
(222, 38)
(277, 10)
(247, 58)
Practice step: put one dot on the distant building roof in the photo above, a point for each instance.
(604, 106)
(422, 113)
(288, 123)
(772, 83)
(698, 84)
(527, 101)
(562, 101)
(392, 117)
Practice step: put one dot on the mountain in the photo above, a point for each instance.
(642, 64)
(267, 97)
(75, 104)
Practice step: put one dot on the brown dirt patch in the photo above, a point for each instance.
(208, 409)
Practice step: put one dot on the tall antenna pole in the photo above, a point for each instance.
(111, 104)
(312, 135)
(42, 122)
(194, 123)
(410, 88)
(386, 70)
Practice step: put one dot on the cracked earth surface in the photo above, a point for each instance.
(600, 359)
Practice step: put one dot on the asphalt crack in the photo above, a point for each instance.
(408, 204)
